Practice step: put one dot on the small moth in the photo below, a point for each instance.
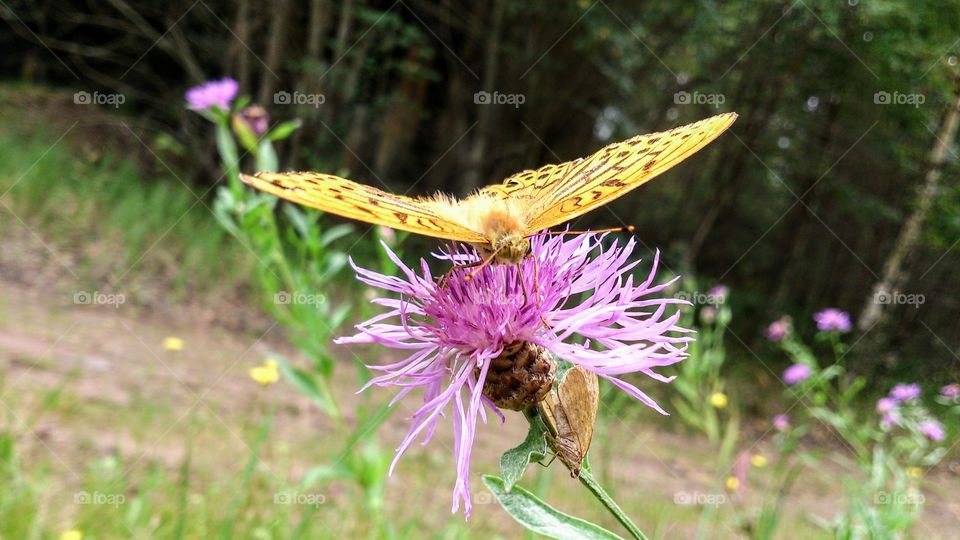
(570, 411)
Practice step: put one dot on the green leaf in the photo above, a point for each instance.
(282, 131)
(541, 518)
(267, 159)
(304, 382)
(514, 461)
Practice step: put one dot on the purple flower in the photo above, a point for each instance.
(832, 319)
(890, 419)
(905, 392)
(778, 329)
(257, 118)
(933, 430)
(454, 332)
(950, 391)
(718, 293)
(781, 422)
(213, 93)
(797, 373)
(886, 405)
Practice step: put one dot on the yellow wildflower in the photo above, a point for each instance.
(732, 483)
(72, 534)
(718, 400)
(172, 343)
(914, 472)
(758, 461)
(265, 374)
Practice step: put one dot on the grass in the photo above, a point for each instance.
(117, 226)
(147, 464)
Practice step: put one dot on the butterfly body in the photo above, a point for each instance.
(499, 219)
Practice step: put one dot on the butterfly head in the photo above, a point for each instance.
(510, 248)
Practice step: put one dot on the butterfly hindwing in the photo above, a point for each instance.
(567, 190)
(353, 200)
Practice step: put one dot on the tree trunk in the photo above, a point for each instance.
(275, 45)
(486, 116)
(873, 312)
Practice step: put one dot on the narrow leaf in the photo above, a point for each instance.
(514, 461)
(541, 518)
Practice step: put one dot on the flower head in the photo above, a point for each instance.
(267, 373)
(905, 392)
(832, 319)
(890, 419)
(256, 118)
(72, 534)
(950, 391)
(214, 93)
(569, 289)
(718, 293)
(758, 460)
(172, 343)
(718, 400)
(797, 373)
(781, 422)
(886, 405)
(778, 329)
(933, 430)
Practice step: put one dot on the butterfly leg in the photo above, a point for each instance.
(445, 278)
(536, 291)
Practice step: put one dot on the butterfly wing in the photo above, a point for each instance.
(579, 394)
(564, 191)
(361, 202)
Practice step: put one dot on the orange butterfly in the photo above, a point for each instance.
(498, 219)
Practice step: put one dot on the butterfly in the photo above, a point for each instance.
(499, 219)
(570, 411)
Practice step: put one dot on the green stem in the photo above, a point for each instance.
(590, 483)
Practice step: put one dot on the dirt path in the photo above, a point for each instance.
(130, 396)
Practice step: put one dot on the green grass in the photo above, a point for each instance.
(119, 226)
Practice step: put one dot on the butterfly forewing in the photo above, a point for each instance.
(571, 189)
(570, 413)
(361, 202)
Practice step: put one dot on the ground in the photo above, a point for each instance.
(124, 395)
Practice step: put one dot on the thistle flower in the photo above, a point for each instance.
(796, 373)
(933, 430)
(886, 405)
(220, 93)
(781, 422)
(950, 391)
(256, 118)
(832, 319)
(778, 329)
(462, 334)
(905, 392)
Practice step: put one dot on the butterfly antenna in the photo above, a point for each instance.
(625, 228)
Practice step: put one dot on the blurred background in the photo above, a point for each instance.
(836, 187)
